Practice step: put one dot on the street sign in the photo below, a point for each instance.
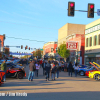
(98, 12)
(72, 45)
(17, 46)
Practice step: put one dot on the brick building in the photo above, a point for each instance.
(49, 49)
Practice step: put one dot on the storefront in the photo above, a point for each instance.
(92, 42)
(92, 56)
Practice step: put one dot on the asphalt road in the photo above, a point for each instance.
(63, 88)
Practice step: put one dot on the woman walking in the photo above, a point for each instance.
(75, 69)
(37, 68)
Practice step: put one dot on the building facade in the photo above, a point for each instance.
(69, 29)
(92, 42)
(49, 49)
(76, 46)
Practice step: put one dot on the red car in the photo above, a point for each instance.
(15, 71)
(1, 76)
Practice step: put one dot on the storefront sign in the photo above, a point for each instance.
(72, 45)
(92, 29)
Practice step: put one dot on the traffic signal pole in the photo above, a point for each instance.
(82, 11)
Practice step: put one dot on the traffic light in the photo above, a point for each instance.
(29, 48)
(26, 47)
(71, 8)
(21, 46)
(90, 10)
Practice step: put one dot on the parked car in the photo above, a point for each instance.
(15, 71)
(1, 76)
(95, 74)
(87, 72)
(82, 71)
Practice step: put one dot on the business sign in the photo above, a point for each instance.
(72, 45)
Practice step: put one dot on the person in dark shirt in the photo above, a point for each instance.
(48, 67)
(44, 66)
(32, 69)
(70, 68)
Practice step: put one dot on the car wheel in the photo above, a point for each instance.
(20, 75)
(82, 73)
(97, 77)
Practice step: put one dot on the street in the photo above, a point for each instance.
(77, 88)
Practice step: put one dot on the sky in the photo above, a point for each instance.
(35, 22)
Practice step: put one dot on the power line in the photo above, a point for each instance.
(25, 39)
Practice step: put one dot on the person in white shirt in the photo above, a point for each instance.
(37, 68)
(76, 69)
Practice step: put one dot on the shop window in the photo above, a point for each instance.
(95, 40)
(99, 39)
(90, 41)
(86, 42)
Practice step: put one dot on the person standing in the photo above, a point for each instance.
(40, 63)
(70, 67)
(32, 69)
(37, 68)
(57, 68)
(60, 65)
(48, 67)
(44, 66)
(75, 69)
(53, 70)
(4, 68)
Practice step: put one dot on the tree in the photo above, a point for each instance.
(38, 53)
(63, 52)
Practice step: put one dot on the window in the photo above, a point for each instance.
(52, 49)
(86, 42)
(95, 40)
(90, 41)
(99, 39)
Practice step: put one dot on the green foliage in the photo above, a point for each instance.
(62, 51)
(38, 53)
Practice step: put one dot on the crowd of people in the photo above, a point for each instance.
(51, 69)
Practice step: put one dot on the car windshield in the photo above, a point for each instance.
(88, 67)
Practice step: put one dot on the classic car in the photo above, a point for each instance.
(14, 70)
